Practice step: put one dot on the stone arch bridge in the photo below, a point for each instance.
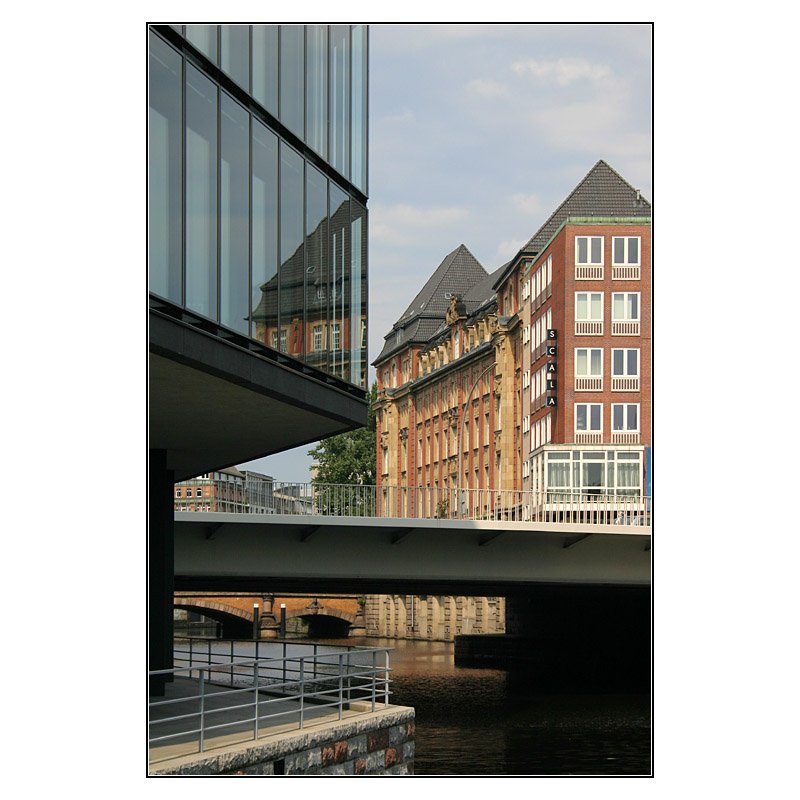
(320, 616)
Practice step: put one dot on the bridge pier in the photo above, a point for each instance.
(570, 638)
(161, 567)
(268, 626)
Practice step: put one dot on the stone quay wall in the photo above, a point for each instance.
(379, 743)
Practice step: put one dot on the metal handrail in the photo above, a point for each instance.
(312, 680)
(622, 506)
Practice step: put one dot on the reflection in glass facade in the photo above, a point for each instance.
(264, 236)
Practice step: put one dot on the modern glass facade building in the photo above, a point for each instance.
(257, 256)
(257, 185)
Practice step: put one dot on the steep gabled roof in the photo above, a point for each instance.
(458, 273)
(601, 193)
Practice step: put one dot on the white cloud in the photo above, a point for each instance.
(488, 88)
(508, 249)
(527, 203)
(563, 71)
(399, 224)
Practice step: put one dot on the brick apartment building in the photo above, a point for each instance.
(534, 378)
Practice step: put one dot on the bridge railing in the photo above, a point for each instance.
(588, 507)
(226, 694)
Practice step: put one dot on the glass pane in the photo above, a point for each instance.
(633, 417)
(597, 356)
(292, 103)
(593, 476)
(633, 306)
(619, 306)
(581, 307)
(317, 267)
(619, 250)
(317, 88)
(558, 476)
(235, 53)
(582, 250)
(201, 193)
(597, 255)
(597, 313)
(265, 66)
(234, 214)
(204, 38)
(595, 417)
(360, 88)
(580, 362)
(580, 418)
(633, 362)
(619, 362)
(265, 233)
(340, 98)
(164, 204)
(617, 417)
(633, 250)
(292, 266)
(340, 281)
(358, 295)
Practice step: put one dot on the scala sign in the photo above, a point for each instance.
(552, 352)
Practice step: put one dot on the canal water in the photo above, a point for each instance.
(492, 722)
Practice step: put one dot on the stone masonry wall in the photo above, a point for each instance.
(374, 744)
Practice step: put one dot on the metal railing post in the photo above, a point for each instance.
(374, 678)
(255, 700)
(341, 686)
(302, 690)
(386, 678)
(202, 709)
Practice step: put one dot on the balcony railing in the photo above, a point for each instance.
(589, 384)
(588, 272)
(625, 437)
(626, 272)
(624, 384)
(588, 437)
(450, 502)
(588, 327)
(625, 327)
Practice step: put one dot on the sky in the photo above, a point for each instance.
(477, 133)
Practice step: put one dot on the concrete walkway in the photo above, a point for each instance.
(230, 713)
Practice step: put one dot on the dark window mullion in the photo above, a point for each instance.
(183, 182)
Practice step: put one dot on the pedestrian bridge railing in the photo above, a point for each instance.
(613, 507)
(288, 684)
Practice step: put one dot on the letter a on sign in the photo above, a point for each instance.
(551, 401)
(551, 366)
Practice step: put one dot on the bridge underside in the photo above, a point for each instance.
(234, 552)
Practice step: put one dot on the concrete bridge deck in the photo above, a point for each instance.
(245, 552)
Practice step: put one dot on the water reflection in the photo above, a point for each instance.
(491, 722)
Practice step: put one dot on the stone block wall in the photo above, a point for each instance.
(379, 743)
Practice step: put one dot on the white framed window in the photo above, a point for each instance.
(589, 313)
(588, 258)
(589, 250)
(588, 423)
(626, 258)
(317, 342)
(198, 492)
(625, 313)
(588, 369)
(335, 336)
(526, 379)
(526, 468)
(625, 369)
(526, 334)
(526, 424)
(625, 423)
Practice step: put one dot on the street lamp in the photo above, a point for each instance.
(283, 621)
(461, 502)
(255, 621)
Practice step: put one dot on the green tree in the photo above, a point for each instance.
(349, 458)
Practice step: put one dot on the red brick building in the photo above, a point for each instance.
(536, 377)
